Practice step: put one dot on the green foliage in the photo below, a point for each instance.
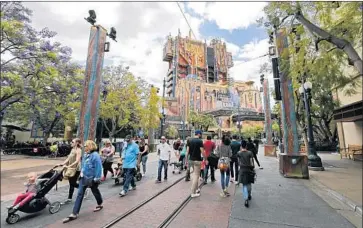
(171, 132)
(251, 131)
(201, 121)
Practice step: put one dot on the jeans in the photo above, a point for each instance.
(143, 161)
(73, 184)
(207, 167)
(162, 164)
(246, 191)
(81, 190)
(225, 179)
(234, 172)
(196, 172)
(129, 179)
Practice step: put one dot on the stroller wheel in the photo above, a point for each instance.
(12, 219)
(179, 172)
(54, 207)
(173, 172)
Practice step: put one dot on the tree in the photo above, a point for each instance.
(314, 60)
(337, 23)
(251, 131)
(171, 132)
(120, 100)
(201, 121)
(24, 52)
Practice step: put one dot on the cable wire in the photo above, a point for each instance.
(186, 20)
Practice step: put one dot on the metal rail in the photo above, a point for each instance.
(132, 210)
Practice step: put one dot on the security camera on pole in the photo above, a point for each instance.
(93, 78)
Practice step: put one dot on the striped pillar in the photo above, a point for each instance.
(92, 84)
(268, 122)
(290, 134)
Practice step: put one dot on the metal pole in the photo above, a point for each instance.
(313, 158)
(163, 112)
(88, 115)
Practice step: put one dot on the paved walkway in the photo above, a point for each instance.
(282, 203)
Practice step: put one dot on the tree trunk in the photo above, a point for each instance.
(342, 44)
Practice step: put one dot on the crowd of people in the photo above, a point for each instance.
(234, 158)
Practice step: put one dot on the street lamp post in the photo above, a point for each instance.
(162, 121)
(314, 161)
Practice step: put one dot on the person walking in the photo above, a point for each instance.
(164, 152)
(197, 155)
(91, 172)
(236, 147)
(209, 147)
(144, 151)
(224, 153)
(107, 153)
(251, 147)
(72, 167)
(247, 174)
(176, 148)
(130, 159)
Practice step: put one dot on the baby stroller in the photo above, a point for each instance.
(177, 166)
(39, 202)
(120, 178)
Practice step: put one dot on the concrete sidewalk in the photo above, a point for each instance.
(280, 202)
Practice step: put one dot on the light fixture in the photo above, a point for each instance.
(112, 34)
(92, 17)
(272, 51)
(308, 85)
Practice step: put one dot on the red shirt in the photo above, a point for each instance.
(209, 146)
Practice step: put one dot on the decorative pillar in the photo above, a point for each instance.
(92, 84)
(269, 147)
(292, 163)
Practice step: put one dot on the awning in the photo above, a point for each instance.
(349, 113)
(15, 127)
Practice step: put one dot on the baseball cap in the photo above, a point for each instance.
(198, 132)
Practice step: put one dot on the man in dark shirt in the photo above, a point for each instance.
(235, 146)
(245, 160)
(195, 150)
(251, 147)
(209, 147)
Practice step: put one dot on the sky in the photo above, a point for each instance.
(142, 28)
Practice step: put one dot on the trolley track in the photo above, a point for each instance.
(167, 221)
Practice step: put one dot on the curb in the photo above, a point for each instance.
(339, 197)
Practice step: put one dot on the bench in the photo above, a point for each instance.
(354, 150)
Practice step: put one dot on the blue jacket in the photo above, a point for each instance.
(92, 165)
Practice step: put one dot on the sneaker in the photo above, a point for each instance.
(132, 188)
(205, 182)
(246, 203)
(249, 197)
(222, 194)
(67, 201)
(260, 167)
(226, 192)
(198, 191)
(122, 193)
(165, 179)
(213, 180)
(195, 195)
(231, 181)
(158, 181)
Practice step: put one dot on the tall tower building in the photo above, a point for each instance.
(190, 58)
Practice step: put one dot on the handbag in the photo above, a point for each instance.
(69, 172)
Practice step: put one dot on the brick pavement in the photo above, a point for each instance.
(209, 210)
(156, 211)
(115, 205)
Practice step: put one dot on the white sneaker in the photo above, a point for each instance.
(195, 195)
(122, 193)
(222, 194)
(132, 188)
(198, 191)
